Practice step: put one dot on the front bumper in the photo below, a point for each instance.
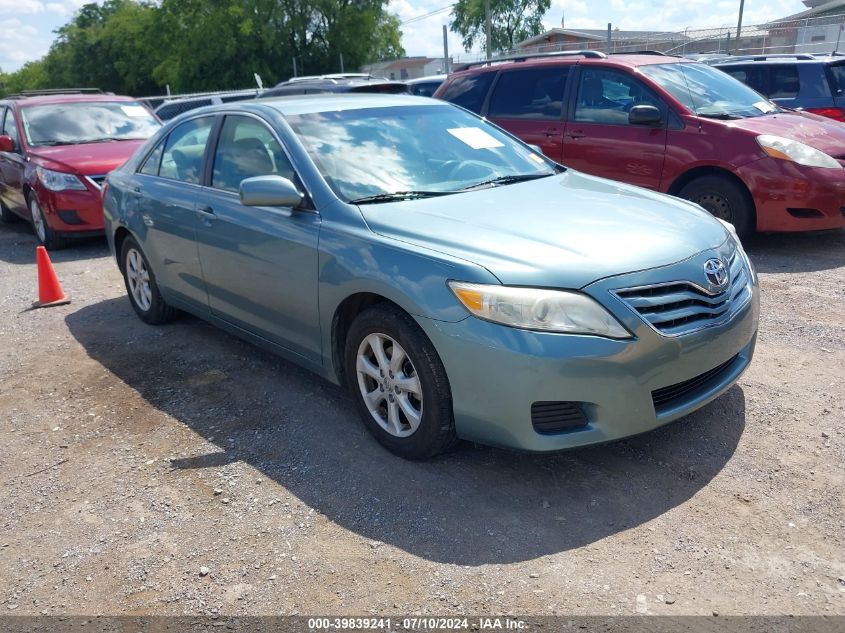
(496, 373)
(73, 212)
(790, 197)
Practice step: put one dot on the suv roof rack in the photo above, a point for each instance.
(763, 58)
(645, 52)
(23, 94)
(521, 58)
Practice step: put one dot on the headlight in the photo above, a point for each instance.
(538, 309)
(787, 149)
(59, 181)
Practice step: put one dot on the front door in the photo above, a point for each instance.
(528, 103)
(12, 166)
(260, 264)
(598, 138)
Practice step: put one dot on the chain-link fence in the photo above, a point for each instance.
(819, 35)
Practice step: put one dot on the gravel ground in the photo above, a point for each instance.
(179, 470)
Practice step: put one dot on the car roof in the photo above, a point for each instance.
(630, 60)
(54, 99)
(293, 105)
(420, 80)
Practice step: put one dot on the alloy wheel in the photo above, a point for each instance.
(38, 220)
(389, 384)
(139, 279)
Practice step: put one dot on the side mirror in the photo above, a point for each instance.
(536, 148)
(6, 144)
(645, 115)
(270, 191)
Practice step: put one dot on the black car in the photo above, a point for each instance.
(802, 81)
(336, 83)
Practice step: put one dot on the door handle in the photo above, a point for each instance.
(205, 212)
(136, 191)
(576, 134)
(551, 132)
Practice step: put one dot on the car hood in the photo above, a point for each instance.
(88, 159)
(813, 130)
(563, 231)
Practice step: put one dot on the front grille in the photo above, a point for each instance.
(680, 307)
(556, 417)
(668, 396)
(97, 181)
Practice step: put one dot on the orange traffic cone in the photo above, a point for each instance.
(50, 291)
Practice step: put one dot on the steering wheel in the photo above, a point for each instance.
(471, 166)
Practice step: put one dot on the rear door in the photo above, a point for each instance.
(165, 192)
(528, 103)
(260, 264)
(598, 138)
(12, 165)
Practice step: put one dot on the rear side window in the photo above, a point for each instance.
(151, 165)
(184, 151)
(469, 91)
(533, 93)
(774, 81)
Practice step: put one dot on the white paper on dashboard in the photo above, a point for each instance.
(475, 137)
(134, 110)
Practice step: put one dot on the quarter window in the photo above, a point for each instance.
(535, 93)
(606, 96)
(151, 165)
(247, 148)
(184, 151)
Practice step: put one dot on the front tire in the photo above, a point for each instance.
(141, 285)
(46, 236)
(724, 199)
(399, 383)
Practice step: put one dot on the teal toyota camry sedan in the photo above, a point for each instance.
(460, 284)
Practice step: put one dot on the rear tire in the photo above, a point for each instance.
(399, 383)
(724, 199)
(46, 236)
(141, 285)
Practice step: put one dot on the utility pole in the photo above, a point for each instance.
(487, 28)
(609, 37)
(341, 61)
(739, 26)
(294, 66)
(445, 51)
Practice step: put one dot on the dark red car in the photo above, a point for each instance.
(55, 152)
(672, 125)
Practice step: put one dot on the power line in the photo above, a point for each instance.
(425, 16)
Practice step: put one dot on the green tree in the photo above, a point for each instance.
(511, 22)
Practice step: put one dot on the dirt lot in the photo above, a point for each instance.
(179, 470)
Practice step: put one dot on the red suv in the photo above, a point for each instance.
(671, 125)
(55, 152)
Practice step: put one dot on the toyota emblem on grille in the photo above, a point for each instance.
(716, 273)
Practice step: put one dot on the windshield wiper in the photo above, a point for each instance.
(506, 180)
(724, 116)
(399, 195)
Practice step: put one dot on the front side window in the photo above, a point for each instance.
(87, 122)
(607, 96)
(708, 92)
(534, 93)
(247, 148)
(469, 91)
(184, 150)
(9, 127)
(413, 151)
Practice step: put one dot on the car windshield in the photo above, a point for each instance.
(709, 92)
(90, 122)
(379, 154)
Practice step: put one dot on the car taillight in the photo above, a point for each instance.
(837, 114)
